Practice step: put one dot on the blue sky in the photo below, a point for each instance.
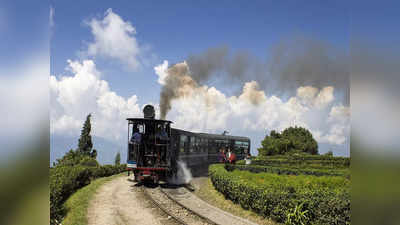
(175, 29)
(171, 31)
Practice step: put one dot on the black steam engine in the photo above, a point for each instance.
(154, 148)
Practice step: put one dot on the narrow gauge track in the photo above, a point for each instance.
(177, 211)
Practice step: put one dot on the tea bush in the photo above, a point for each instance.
(65, 180)
(317, 163)
(289, 170)
(327, 199)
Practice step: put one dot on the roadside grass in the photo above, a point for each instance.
(208, 193)
(77, 205)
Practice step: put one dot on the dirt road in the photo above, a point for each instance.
(121, 202)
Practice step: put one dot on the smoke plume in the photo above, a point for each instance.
(183, 176)
(289, 65)
(178, 83)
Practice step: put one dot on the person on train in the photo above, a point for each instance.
(222, 157)
(231, 157)
(248, 159)
(136, 136)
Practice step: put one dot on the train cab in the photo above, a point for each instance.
(149, 140)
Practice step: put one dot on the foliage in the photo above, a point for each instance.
(298, 216)
(117, 160)
(289, 170)
(292, 139)
(65, 180)
(84, 151)
(302, 161)
(329, 153)
(88, 161)
(74, 158)
(333, 164)
(71, 158)
(327, 199)
(85, 141)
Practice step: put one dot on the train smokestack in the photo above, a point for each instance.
(149, 112)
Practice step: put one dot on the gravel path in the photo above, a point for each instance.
(119, 202)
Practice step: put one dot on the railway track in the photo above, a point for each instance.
(176, 211)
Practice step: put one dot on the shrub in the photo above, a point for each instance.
(327, 199)
(89, 161)
(289, 170)
(298, 216)
(65, 180)
(310, 161)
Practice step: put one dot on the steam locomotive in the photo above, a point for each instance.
(154, 148)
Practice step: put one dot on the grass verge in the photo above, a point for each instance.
(208, 193)
(77, 205)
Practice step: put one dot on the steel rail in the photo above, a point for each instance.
(190, 210)
(162, 207)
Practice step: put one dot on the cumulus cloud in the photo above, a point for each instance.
(161, 71)
(207, 109)
(114, 38)
(314, 97)
(75, 96)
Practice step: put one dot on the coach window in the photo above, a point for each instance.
(246, 147)
(191, 148)
(198, 144)
(141, 129)
(183, 142)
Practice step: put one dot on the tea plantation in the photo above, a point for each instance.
(308, 189)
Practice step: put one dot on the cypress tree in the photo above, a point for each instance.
(85, 141)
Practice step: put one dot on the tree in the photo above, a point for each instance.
(291, 140)
(71, 158)
(85, 141)
(83, 155)
(301, 139)
(118, 159)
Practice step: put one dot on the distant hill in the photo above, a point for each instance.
(106, 150)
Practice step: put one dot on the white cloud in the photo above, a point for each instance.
(114, 38)
(312, 96)
(207, 109)
(202, 109)
(74, 97)
(161, 71)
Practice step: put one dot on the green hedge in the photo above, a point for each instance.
(289, 170)
(308, 157)
(308, 163)
(65, 180)
(327, 199)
